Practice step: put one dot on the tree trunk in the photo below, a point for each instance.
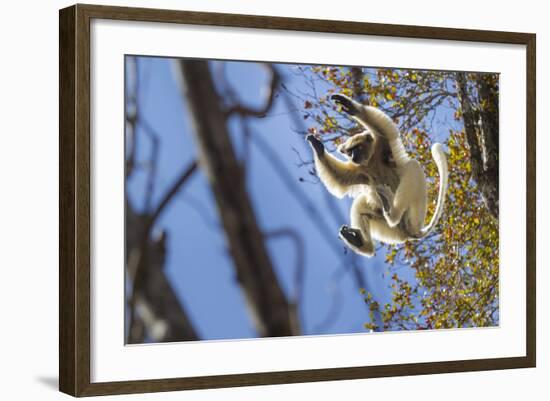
(158, 312)
(482, 130)
(270, 310)
(357, 83)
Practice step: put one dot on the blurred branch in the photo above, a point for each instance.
(154, 308)
(182, 179)
(271, 311)
(299, 269)
(131, 111)
(153, 305)
(248, 111)
(299, 247)
(153, 163)
(199, 207)
(336, 301)
(153, 300)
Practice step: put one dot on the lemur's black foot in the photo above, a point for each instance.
(316, 144)
(347, 104)
(351, 235)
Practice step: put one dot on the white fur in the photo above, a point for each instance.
(404, 220)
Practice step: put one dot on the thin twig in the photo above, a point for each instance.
(184, 176)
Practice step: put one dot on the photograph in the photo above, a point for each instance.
(271, 199)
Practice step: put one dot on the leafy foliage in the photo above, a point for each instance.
(451, 278)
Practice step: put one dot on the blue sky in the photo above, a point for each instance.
(198, 264)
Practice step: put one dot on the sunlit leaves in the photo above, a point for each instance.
(455, 269)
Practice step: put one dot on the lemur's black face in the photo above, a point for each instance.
(356, 154)
(358, 148)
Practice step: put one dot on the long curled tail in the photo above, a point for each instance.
(441, 163)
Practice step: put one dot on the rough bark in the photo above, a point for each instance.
(482, 130)
(269, 307)
(357, 83)
(157, 311)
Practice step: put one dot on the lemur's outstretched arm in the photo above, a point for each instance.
(337, 176)
(376, 121)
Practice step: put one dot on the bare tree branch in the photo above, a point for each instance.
(266, 300)
(268, 103)
(154, 308)
(153, 162)
(131, 110)
(182, 179)
(299, 269)
(144, 254)
(153, 305)
(336, 301)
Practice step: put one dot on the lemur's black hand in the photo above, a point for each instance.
(348, 105)
(316, 144)
(351, 235)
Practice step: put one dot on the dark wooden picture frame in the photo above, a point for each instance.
(74, 204)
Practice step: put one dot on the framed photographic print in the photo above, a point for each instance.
(251, 200)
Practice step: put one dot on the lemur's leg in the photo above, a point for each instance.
(393, 210)
(337, 176)
(409, 195)
(385, 195)
(358, 237)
